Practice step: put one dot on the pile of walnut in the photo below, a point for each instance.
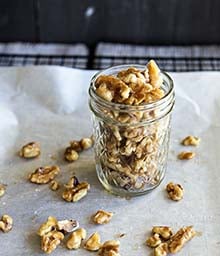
(71, 153)
(52, 233)
(129, 156)
(164, 242)
(188, 141)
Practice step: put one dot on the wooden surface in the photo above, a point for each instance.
(91, 21)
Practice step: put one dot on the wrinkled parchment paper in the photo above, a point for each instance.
(49, 105)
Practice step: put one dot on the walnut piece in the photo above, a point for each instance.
(43, 175)
(154, 241)
(70, 154)
(2, 190)
(6, 223)
(93, 243)
(190, 141)
(51, 240)
(102, 217)
(181, 238)
(186, 155)
(175, 191)
(161, 250)
(30, 150)
(54, 185)
(75, 191)
(67, 226)
(86, 143)
(163, 231)
(154, 74)
(75, 239)
(110, 248)
(48, 226)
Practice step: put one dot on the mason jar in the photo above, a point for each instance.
(131, 142)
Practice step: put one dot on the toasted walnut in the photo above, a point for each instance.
(161, 250)
(175, 191)
(75, 239)
(102, 217)
(163, 231)
(51, 240)
(186, 155)
(43, 175)
(54, 185)
(104, 92)
(30, 150)
(6, 223)
(71, 154)
(67, 226)
(2, 190)
(75, 191)
(153, 241)
(181, 238)
(93, 243)
(110, 248)
(154, 74)
(86, 143)
(191, 141)
(75, 144)
(48, 226)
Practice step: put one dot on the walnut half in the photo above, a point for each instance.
(30, 150)
(75, 239)
(175, 191)
(43, 175)
(102, 217)
(93, 243)
(6, 223)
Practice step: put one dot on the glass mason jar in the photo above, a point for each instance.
(131, 142)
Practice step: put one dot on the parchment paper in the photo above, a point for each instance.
(49, 105)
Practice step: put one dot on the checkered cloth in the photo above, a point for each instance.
(170, 58)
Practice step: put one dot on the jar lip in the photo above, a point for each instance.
(154, 104)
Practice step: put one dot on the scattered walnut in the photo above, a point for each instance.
(161, 250)
(110, 248)
(51, 240)
(154, 241)
(186, 155)
(191, 141)
(2, 190)
(67, 226)
(70, 154)
(175, 191)
(75, 144)
(48, 226)
(181, 238)
(86, 143)
(30, 150)
(6, 223)
(75, 191)
(54, 185)
(75, 239)
(102, 217)
(163, 231)
(43, 175)
(93, 243)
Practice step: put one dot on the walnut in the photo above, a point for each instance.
(30, 150)
(75, 191)
(104, 92)
(191, 141)
(54, 185)
(43, 175)
(154, 74)
(76, 145)
(75, 239)
(51, 240)
(48, 226)
(71, 154)
(175, 191)
(6, 223)
(86, 143)
(102, 217)
(67, 226)
(93, 243)
(186, 155)
(154, 241)
(163, 231)
(2, 190)
(110, 248)
(181, 238)
(161, 250)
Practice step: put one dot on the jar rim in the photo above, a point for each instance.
(106, 103)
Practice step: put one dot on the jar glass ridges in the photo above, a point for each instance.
(131, 142)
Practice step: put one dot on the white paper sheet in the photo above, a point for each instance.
(49, 105)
